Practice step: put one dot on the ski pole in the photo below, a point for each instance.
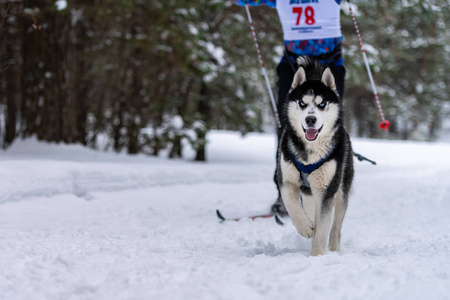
(385, 123)
(263, 67)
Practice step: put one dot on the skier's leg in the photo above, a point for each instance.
(339, 77)
(285, 77)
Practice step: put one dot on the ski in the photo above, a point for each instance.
(264, 216)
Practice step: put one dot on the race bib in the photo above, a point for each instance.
(309, 19)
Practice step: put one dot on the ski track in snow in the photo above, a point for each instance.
(52, 170)
(79, 224)
(80, 179)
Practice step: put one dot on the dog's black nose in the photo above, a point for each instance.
(310, 121)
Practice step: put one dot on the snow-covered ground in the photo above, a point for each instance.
(80, 224)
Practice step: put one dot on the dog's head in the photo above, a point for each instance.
(313, 106)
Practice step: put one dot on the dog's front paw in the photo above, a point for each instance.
(316, 252)
(306, 230)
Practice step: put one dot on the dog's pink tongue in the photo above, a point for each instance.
(311, 134)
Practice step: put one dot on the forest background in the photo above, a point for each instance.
(154, 76)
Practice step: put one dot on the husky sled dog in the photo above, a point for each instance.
(315, 157)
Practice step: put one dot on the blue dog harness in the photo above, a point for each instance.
(305, 170)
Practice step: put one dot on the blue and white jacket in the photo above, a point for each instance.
(309, 47)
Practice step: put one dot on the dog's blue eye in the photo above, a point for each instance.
(302, 104)
(322, 105)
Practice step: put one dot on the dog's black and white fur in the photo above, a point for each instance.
(314, 132)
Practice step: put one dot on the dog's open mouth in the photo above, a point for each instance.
(312, 133)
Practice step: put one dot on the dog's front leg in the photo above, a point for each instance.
(291, 197)
(341, 202)
(323, 193)
(323, 219)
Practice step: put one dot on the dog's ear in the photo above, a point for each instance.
(328, 79)
(299, 77)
